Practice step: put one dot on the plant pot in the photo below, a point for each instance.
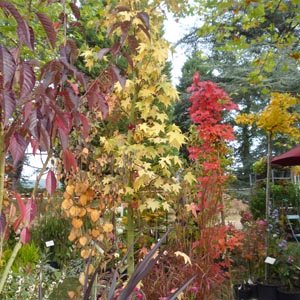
(285, 294)
(267, 291)
(242, 292)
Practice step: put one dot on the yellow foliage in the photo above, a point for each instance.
(276, 117)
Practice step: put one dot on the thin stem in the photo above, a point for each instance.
(130, 240)
(41, 173)
(9, 264)
(269, 158)
(2, 164)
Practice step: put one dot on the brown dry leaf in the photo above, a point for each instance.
(85, 151)
(77, 223)
(85, 253)
(81, 188)
(74, 211)
(95, 214)
(72, 236)
(71, 294)
(91, 269)
(90, 194)
(83, 200)
(95, 233)
(82, 212)
(67, 204)
(82, 278)
(108, 227)
(70, 189)
(67, 195)
(83, 240)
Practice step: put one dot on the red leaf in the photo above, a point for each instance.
(75, 10)
(31, 211)
(117, 74)
(17, 223)
(23, 30)
(25, 235)
(35, 146)
(48, 27)
(7, 67)
(96, 99)
(2, 223)
(27, 108)
(17, 147)
(71, 99)
(69, 160)
(103, 52)
(21, 205)
(9, 105)
(51, 182)
(44, 138)
(27, 79)
(85, 125)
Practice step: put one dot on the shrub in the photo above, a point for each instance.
(52, 227)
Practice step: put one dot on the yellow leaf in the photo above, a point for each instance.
(166, 206)
(176, 138)
(152, 204)
(189, 178)
(186, 258)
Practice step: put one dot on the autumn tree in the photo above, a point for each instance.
(205, 181)
(278, 118)
(131, 159)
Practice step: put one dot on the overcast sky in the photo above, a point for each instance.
(174, 31)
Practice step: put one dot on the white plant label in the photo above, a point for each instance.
(49, 243)
(270, 260)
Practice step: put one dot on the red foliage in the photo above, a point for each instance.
(216, 240)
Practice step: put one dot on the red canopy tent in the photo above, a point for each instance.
(289, 158)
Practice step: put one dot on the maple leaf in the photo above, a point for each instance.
(166, 206)
(152, 204)
(176, 138)
(190, 178)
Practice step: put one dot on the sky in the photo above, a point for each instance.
(174, 31)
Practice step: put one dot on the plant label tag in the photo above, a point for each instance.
(270, 260)
(121, 210)
(49, 243)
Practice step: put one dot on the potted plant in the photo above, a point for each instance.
(267, 287)
(249, 257)
(289, 271)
